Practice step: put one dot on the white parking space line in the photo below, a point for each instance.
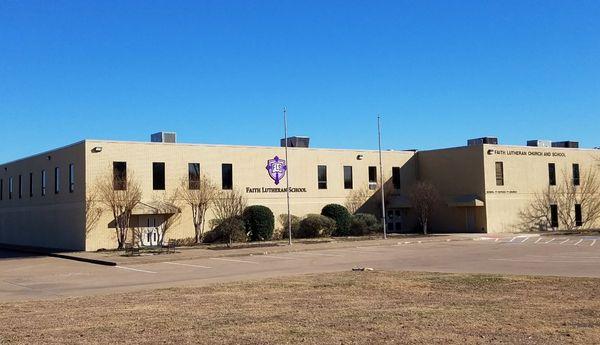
(525, 239)
(187, 265)
(593, 242)
(233, 260)
(514, 238)
(268, 256)
(375, 249)
(133, 269)
(317, 254)
(579, 242)
(539, 239)
(565, 241)
(550, 241)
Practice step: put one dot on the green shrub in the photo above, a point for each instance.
(259, 222)
(316, 225)
(227, 231)
(283, 220)
(364, 224)
(341, 216)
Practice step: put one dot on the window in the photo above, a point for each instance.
(554, 216)
(158, 176)
(20, 186)
(575, 174)
(578, 215)
(194, 175)
(552, 174)
(499, 174)
(31, 185)
(71, 178)
(1, 189)
(227, 176)
(347, 177)
(56, 180)
(396, 177)
(119, 175)
(322, 176)
(372, 178)
(10, 188)
(43, 182)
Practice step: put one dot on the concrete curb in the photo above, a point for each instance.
(54, 253)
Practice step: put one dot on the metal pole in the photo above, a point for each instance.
(287, 177)
(382, 179)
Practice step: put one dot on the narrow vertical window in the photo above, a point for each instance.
(576, 175)
(552, 174)
(56, 180)
(396, 177)
(71, 178)
(1, 189)
(499, 174)
(31, 185)
(554, 216)
(20, 186)
(322, 176)
(43, 182)
(158, 176)
(578, 215)
(372, 177)
(119, 175)
(348, 177)
(10, 188)
(226, 176)
(194, 175)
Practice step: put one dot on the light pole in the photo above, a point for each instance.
(382, 179)
(287, 177)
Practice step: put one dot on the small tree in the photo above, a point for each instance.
(228, 205)
(120, 195)
(167, 204)
(356, 199)
(260, 222)
(341, 216)
(424, 197)
(199, 196)
(93, 211)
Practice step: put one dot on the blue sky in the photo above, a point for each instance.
(439, 72)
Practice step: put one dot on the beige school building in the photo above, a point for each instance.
(483, 187)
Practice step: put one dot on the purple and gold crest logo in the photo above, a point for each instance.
(276, 168)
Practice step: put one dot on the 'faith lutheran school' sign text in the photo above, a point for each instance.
(276, 168)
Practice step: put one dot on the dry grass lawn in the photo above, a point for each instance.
(341, 308)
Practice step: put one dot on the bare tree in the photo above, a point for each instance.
(537, 215)
(356, 199)
(120, 196)
(424, 197)
(199, 195)
(228, 209)
(93, 211)
(167, 204)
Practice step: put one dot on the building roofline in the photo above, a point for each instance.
(44, 153)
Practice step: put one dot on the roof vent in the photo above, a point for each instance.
(481, 141)
(164, 137)
(296, 142)
(539, 143)
(566, 144)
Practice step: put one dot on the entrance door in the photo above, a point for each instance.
(394, 220)
(470, 219)
(150, 226)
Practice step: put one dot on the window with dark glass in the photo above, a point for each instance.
(158, 176)
(20, 186)
(554, 216)
(576, 175)
(10, 188)
(372, 174)
(56, 180)
(194, 175)
(552, 174)
(396, 177)
(43, 182)
(71, 178)
(226, 176)
(119, 175)
(578, 215)
(348, 177)
(322, 176)
(1, 189)
(499, 174)
(30, 185)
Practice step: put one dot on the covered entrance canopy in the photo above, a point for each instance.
(469, 200)
(144, 208)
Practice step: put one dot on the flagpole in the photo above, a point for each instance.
(382, 180)
(287, 177)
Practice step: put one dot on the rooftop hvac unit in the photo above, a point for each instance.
(566, 144)
(539, 143)
(296, 142)
(164, 137)
(483, 140)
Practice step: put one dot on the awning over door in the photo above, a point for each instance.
(155, 208)
(469, 200)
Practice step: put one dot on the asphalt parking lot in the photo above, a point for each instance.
(36, 277)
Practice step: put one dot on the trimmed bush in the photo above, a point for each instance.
(364, 224)
(283, 220)
(259, 222)
(341, 216)
(227, 231)
(316, 225)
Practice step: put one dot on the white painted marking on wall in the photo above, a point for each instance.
(550, 241)
(233, 260)
(565, 241)
(188, 265)
(579, 242)
(134, 269)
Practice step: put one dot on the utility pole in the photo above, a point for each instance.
(287, 177)
(382, 179)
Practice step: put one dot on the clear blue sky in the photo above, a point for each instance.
(439, 72)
